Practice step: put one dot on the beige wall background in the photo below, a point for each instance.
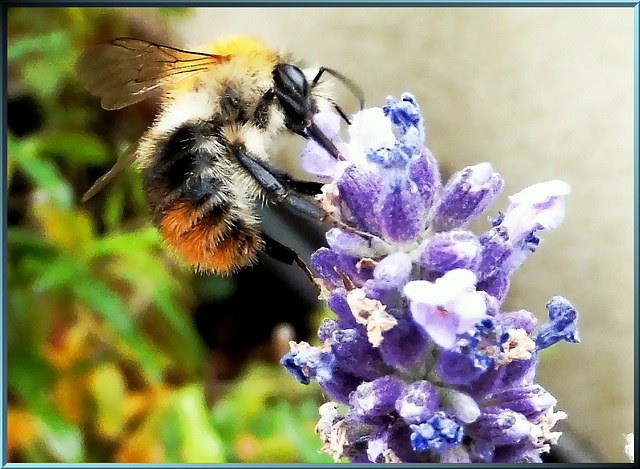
(541, 94)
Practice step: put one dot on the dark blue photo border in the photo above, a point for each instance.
(297, 3)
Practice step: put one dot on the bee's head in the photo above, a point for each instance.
(294, 92)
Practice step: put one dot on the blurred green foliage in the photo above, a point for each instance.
(104, 361)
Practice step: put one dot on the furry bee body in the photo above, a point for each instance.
(205, 160)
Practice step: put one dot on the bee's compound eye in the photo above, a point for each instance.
(290, 79)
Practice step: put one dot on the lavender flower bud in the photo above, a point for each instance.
(305, 362)
(438, 434)
(405, 345)
(340, 385)
(466, 195)
(357, 356)
(561, 326)
(496, 249)
(348, 243)
(360, 191)
(521, 319)
(337, 301)
(391, 444)
(376, 398)
(402, 213)
(417, 402)
(529, 400)
(459, 368)
(463, 406)
(424, 173)
(500, 426)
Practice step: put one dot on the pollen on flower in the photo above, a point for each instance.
(389, 456)
(541, 434)
(366, 263)
(518, 346)
(329, 415)
(337, 442)
(329, 200)
(370, 313)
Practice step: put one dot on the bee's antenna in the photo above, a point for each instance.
(350, 84)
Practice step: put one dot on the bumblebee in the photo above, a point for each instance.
(205, 159)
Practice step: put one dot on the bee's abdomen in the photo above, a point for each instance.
(195, 207)
(211, 241)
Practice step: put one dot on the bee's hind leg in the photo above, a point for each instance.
(282, 253)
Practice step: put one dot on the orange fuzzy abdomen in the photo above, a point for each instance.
(209, 242)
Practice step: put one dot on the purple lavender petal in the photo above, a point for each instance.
(370, 130)
(447, 307)
(337, 301)
(537, 207)
(394, 270)
(521, 319)
(451, 250)
(497, 286)
(405, 344)
(348, 243)
(315, 159)
(323, 263)
(466, 195)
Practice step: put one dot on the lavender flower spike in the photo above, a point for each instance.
(420, 361)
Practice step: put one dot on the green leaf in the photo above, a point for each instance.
(181, 322)
(79, 147)
(109, 390)
(200, 442)
(171, 435)
(112, 214)
(110, 307)
(28, 376)
(298, 430)
(126, 243)
(62, 439)
(43, 173)
(23, 239)
(43, 43)
(69, 273)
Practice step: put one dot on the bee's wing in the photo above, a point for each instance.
(125, 71)
(123, 162)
